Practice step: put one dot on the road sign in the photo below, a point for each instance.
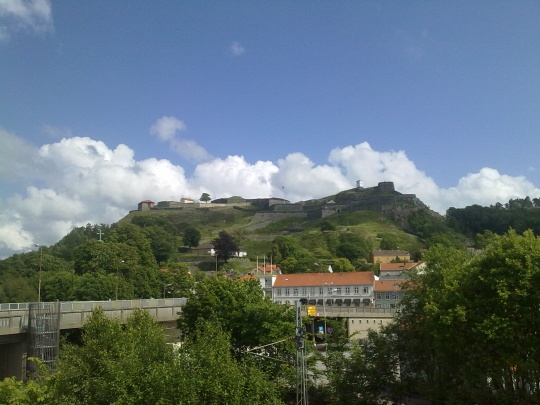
(312, 310)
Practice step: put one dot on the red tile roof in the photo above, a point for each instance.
(319, 279)
(399, 266)
(388, 285)
(267, 269)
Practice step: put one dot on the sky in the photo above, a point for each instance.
(105, 103)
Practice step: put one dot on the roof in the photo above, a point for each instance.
(146, 201)
(399, 266)
(388, 285)
(267, 269)
(319, 279)
(380, 252)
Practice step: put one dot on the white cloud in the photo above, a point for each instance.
(166, 129)
(234, 176)
(300, 179)
(76, 181)
(34, 15)
(237, 49)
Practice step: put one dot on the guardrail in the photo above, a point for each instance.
(73, 314)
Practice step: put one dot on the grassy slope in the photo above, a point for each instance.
(259, 241)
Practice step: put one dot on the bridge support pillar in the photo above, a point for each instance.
(13, 359)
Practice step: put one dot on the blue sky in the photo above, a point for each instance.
(106, 103)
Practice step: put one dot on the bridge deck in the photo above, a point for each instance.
(73, 314)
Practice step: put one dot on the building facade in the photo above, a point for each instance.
(325, 289)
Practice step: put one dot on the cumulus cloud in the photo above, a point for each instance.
(234, 176)
(167, 128)
(237, 49)
(79, 180)
(32, 15)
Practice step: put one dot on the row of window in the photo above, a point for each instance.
(387, 296)
(314, 291)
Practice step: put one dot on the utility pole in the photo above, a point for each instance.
(301, 380)
(40, 265)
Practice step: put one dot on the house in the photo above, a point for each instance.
(185, 200)
(388, 293)
(347, 289)
(145, 205)
(266, 275)
(208, 249)
(386, 256)
(395, 270)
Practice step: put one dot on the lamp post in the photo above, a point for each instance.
(117, 270)
(40, 265)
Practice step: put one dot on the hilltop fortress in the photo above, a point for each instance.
(382, 198)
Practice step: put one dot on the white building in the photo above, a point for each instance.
(341, 289)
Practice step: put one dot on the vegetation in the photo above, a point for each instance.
(467, 333)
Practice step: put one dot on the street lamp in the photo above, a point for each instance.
(117, 269)
(165, 289)
(40, 265)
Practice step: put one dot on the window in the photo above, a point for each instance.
(312, 291)
(321, 292)
(352, 321)
(287, 292)
(304, 291)
(378, 296)
(347, 290)
(366, 290)
(295, 292)
(278, 291)
(338, 291)
(387, 296)
(395, 296)
(329, 290)
(357, 290)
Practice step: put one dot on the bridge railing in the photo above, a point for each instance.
(14, 316)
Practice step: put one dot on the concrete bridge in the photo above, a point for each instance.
(17, 326)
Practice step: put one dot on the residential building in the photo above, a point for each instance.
(266, 274)
(388, 293)
(396, 270)
(387, 256)
(349, 289)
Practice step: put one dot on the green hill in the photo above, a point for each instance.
(144, 251)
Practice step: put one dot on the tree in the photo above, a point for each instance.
(205, 197)
(284, 247)
(468, 329)
(212, 375)
(192, 237)
(115, 364)
(367, 374)
(353, 246)
(179, 278)
(251, 319)
(162, 243)
(342, 265)
(389, 241)
(326, 225)
(225, 245)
